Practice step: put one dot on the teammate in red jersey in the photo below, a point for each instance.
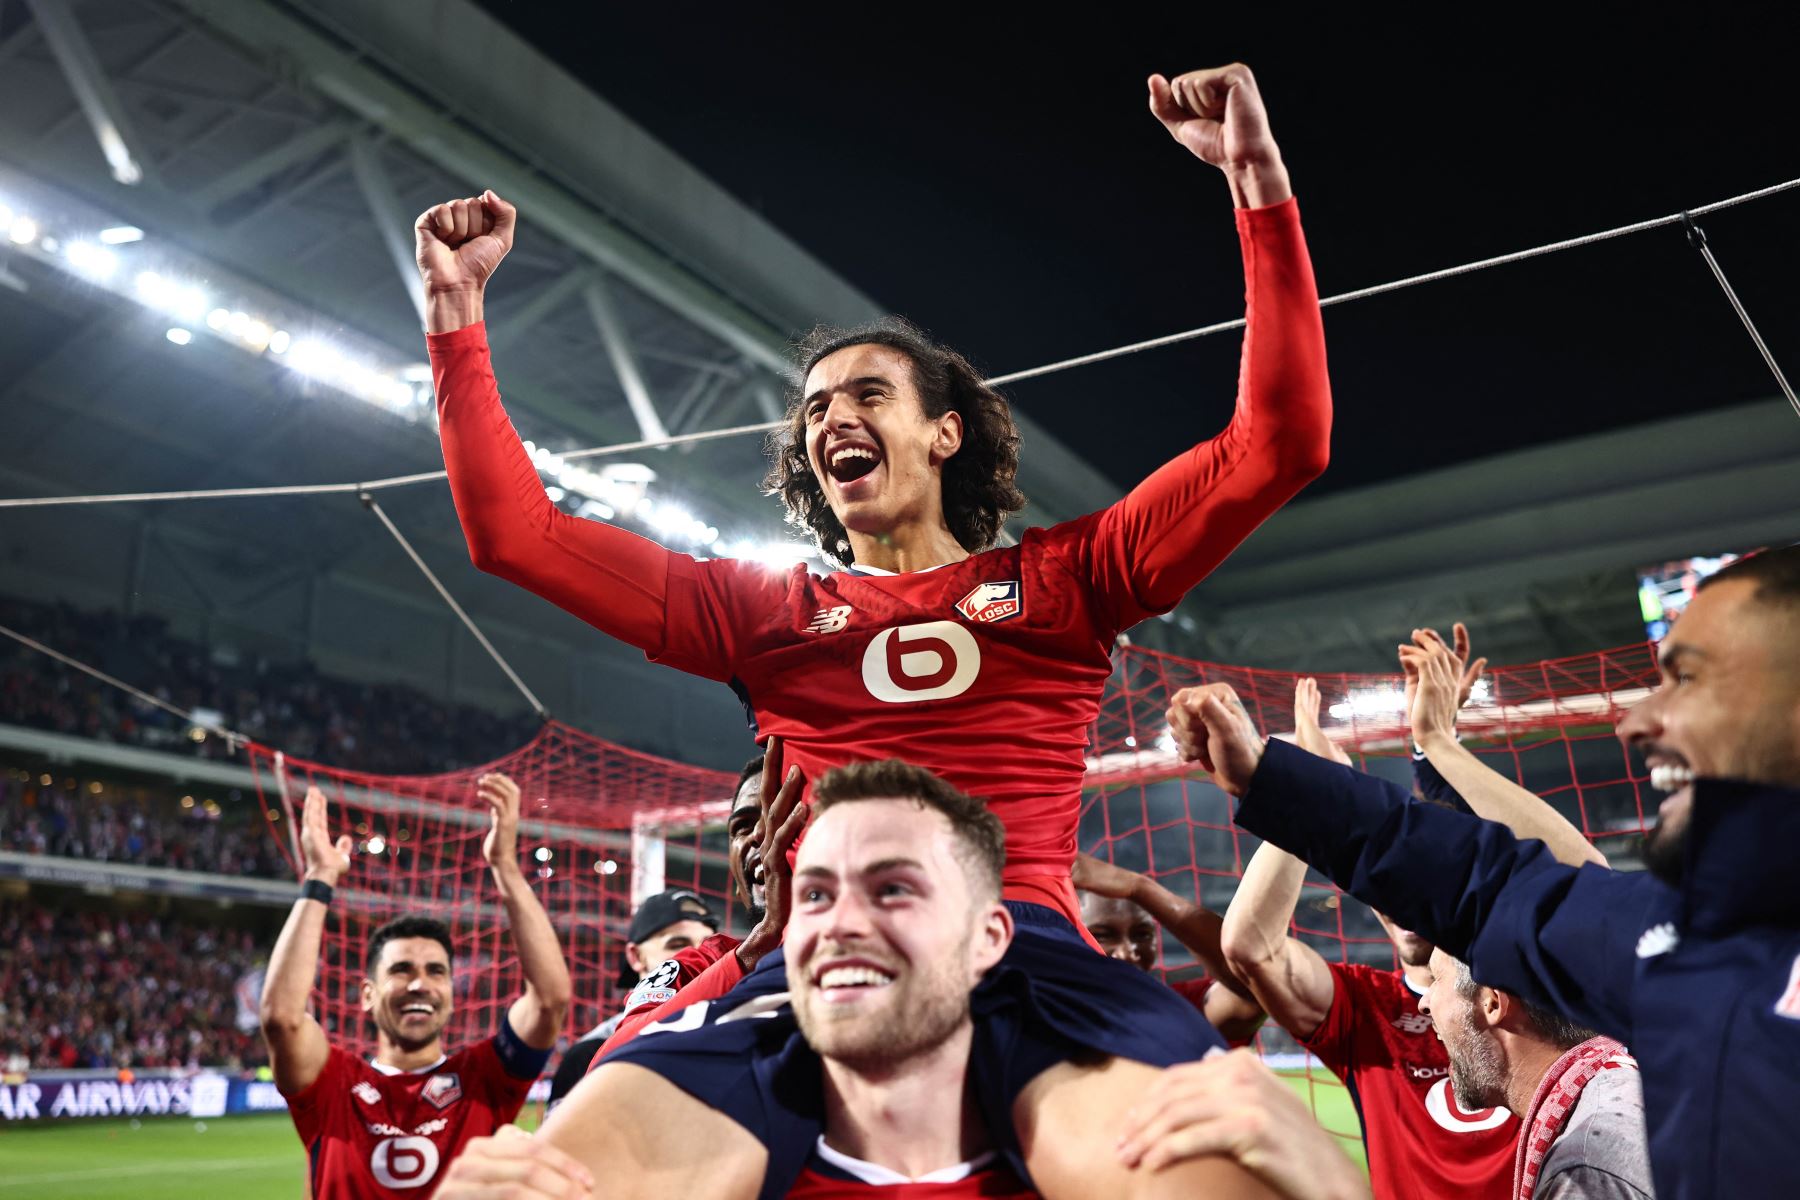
(388, 1127)
(897, 922)
(983, 664)
(765, 822)
(1122, 909)
(1364, 1022)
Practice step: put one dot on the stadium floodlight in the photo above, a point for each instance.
(218, 319)
(179, 336)
(1371, 702)
(6, 216)
(118, 235)
(22, 230)
(278, 341)
(543, 854)
(378, 845)
(595, 509)
(93, 261)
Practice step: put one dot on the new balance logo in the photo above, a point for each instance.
(1658, 939)
(830, 620)
(1413, 1023)
(365, 1091)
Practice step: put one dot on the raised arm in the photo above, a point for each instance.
(297, 1044)
(1230, 1006)
(1559, 936)
(1437, 680)
(1181, 522)
(537, 1015)
(614, 580)
(1288, 978)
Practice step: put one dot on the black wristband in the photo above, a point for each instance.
(314, 889)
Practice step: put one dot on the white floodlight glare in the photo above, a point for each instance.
(1374, 702)
(6, 216)
(179, 336)
(594, 508)
(118, 235)
(218, 319)
(93, 261)
(22, 230)
(278, 341)
(377, 844)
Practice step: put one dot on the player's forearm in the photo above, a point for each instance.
(1255, 930)
(452, 310)
(293, 968)
(1199, 929)
(1259, 184)
(1193, 511)
(612, 579)
(547, 983)
(1492, 796)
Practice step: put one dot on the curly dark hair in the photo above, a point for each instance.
(979, 492)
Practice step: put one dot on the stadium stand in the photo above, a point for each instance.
(386, 728)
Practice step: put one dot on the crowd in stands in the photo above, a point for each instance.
(143, 825)
(87, 989)
(382, 728)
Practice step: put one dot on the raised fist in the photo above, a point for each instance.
(1218, 115)
(459, 243)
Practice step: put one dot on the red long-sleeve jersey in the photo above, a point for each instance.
(987, 671)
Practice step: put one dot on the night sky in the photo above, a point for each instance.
(999, 180)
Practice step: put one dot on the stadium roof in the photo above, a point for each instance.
(280, 152)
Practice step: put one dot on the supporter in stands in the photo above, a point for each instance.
(1694, 960)
(393, 1122)
(1117, 906)
(895, 951)
(1576, 1093)
(116, 989)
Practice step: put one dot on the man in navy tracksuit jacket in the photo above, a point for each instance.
(1695, 964)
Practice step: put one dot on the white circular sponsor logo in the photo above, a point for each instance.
(1452, 1116)
(932, 661)
(404, 1162)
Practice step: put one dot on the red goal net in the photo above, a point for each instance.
(604, 826)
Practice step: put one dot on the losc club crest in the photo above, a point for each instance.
(443, 1090)
(993, 602)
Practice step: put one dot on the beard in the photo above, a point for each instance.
(917, 1014)
(1665, 849)
(1476, 1077)
(416, 1040)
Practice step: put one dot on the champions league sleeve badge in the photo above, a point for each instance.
(991, 602)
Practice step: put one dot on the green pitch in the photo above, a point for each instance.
(259, 1158)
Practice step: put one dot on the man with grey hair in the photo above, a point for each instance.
(1577, 1093)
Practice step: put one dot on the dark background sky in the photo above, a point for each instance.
(997, 178)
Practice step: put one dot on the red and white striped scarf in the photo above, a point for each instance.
(1556, 1096)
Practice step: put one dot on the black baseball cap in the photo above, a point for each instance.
(669, 908)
